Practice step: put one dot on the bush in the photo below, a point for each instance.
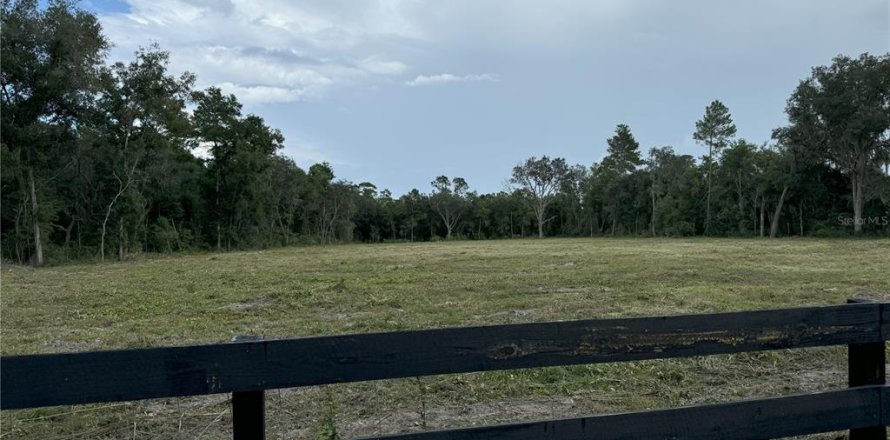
(163, 237)
(680, 229)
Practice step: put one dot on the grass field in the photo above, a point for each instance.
(176, 300)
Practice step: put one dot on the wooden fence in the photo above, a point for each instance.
(247, 368)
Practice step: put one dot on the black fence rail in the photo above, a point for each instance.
(247, 368)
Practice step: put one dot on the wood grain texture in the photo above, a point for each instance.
(765, 418)
(76, 378)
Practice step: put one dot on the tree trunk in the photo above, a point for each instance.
(105, 221)
(18, 247)
(708, 204)
(38, 243)
(67, 230)
(219, 220)
(741, 202)
(121, 242)
(653, 210)
(754, 213)
(540, 211)
(857, 204)
(800, 217)
(774, 222)
(762, 209)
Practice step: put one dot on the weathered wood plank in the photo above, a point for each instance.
(757, 419)
(75, 378)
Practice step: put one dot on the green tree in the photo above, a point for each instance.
(737, 175)
(540, 179)
(143, 111)
(842, 113)
(715, 130)
(411, 211)
(215, 118)
(51, 62)
(622, 157)
(243, 154)
(449, 199)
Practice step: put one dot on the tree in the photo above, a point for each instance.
(215, 118)
(411, 210)
(715, 130)
(540, 179)
(449, 199)
(842, 113)
(51, 61)
(243, 154)
(656, 164)
(143, 111)
(572, 190)
(622, 157)
(777, 177)
(737, 175)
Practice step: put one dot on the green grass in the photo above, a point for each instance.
(204, 298)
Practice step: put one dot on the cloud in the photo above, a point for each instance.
(381, 67)
(265, 51)
(248, 94)
(444, 78)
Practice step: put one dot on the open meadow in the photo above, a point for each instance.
(154, 301)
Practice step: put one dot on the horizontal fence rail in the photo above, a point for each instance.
(248, 367)
(119, 375)
(756, 419)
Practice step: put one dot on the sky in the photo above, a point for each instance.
(397, 92)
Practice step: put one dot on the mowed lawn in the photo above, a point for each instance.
(158, 301)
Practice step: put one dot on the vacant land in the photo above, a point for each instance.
(177, 300)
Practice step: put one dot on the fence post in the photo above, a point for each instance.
(248, 408)
(866, 366)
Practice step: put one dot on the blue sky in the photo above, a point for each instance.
(397, 92)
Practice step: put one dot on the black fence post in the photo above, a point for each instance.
(866, 366)
(248, 408)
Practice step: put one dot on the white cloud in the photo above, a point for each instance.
(264, 50)
(262, 94)
(444, 78)
(381, 67)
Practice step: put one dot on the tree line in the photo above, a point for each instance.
(98, 161)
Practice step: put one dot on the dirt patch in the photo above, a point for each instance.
(815, 380)
(58, 346)
(447, 417)
(573, 289)
(506, 313)
(251, 304)
(350, 315)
